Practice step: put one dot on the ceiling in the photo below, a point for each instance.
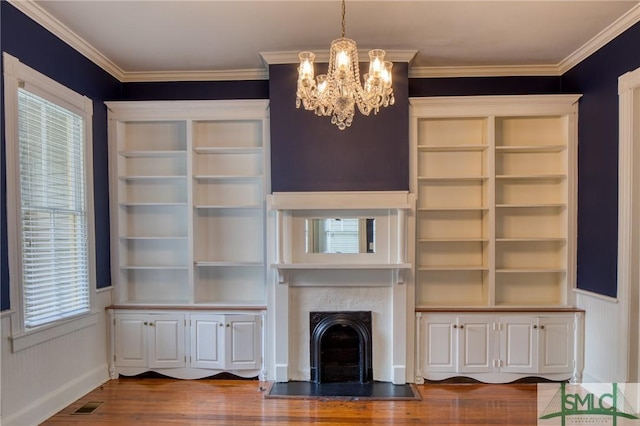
(137, 39)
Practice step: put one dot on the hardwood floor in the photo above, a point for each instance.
(154, 401)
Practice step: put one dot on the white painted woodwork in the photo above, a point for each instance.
(131, 347)
(166, 341)
(500, 347)
(628, 369)
(475, 344)
(150, 340)
(518, 345)
(440, 344)
(188, 185)
(207, 341)
(147, 340)
(494, 178)
(243, 342)
(556, 346)
(373, 282)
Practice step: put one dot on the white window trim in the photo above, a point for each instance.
(16, 73)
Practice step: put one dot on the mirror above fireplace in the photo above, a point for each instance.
(340, 235)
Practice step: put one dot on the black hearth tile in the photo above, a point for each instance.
(372, 390)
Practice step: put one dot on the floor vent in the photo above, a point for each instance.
(88, 408)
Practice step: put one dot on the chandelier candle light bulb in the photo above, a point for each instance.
(337, 93)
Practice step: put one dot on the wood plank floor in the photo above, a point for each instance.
(159, 401)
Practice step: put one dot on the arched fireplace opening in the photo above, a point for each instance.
(341, 347)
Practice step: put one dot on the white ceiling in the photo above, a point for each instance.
(146, 37)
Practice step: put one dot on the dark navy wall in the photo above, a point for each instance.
(597, 79)
(478, 86)
(36, 47)
(195, 90)
(308, 153)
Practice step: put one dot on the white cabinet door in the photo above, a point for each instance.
(207, 341)
(556, 344)
(439, 345)
(475, 344)
(155, 341)
(226, 342)
(131, 340)
(243, 342)
(519, 345)
(166, 341)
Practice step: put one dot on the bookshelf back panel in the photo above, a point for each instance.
(531, 131)
(154, 166)
(152, 252)
(451, 224)
(434, 254)
(160, 285)
(452, 288)
(451, 194)
(154, 191)
(451, 131)
(451, 163)
(228, 164)
(229, 235)
(548, 191)
(538, 222)
(154, 136)
(154, 221)
(537, 288)
(229, 284)
(224, 134)
(239, 192)
(535, 163)
(531, 254)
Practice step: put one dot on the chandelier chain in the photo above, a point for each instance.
(344, 26)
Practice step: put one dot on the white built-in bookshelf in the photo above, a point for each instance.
(495, 216)
(188, 186)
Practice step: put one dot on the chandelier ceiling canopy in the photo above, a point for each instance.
(337, 93)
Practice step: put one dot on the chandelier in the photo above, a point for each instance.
(337, 93)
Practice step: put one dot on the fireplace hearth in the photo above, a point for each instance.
(341, 347)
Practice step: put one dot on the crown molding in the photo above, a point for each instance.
(42, 17)
(484, 71)
(57, 28)
(226, 75)
(291, 57)
(622, 24)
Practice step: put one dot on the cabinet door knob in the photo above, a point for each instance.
(228, 325)
(220, 325)
(455, 325)
(535, 326)
(151, 324)
(145, 323)
(462, 326)
(542, 327)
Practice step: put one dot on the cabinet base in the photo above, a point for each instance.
(495, 378)
(185, 373)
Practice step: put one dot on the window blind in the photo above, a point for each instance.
(55, 264)
(342, 235)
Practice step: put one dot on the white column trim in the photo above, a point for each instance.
(628, 225)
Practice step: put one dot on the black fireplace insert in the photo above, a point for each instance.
(341, 347)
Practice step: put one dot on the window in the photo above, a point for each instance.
(49, 197)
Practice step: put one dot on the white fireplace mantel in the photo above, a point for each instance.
(388, 206)
(368, 281)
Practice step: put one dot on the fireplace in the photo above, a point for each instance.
(341, 347)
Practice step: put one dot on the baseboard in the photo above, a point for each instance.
(46, 406)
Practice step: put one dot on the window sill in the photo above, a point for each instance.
(26, 339)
